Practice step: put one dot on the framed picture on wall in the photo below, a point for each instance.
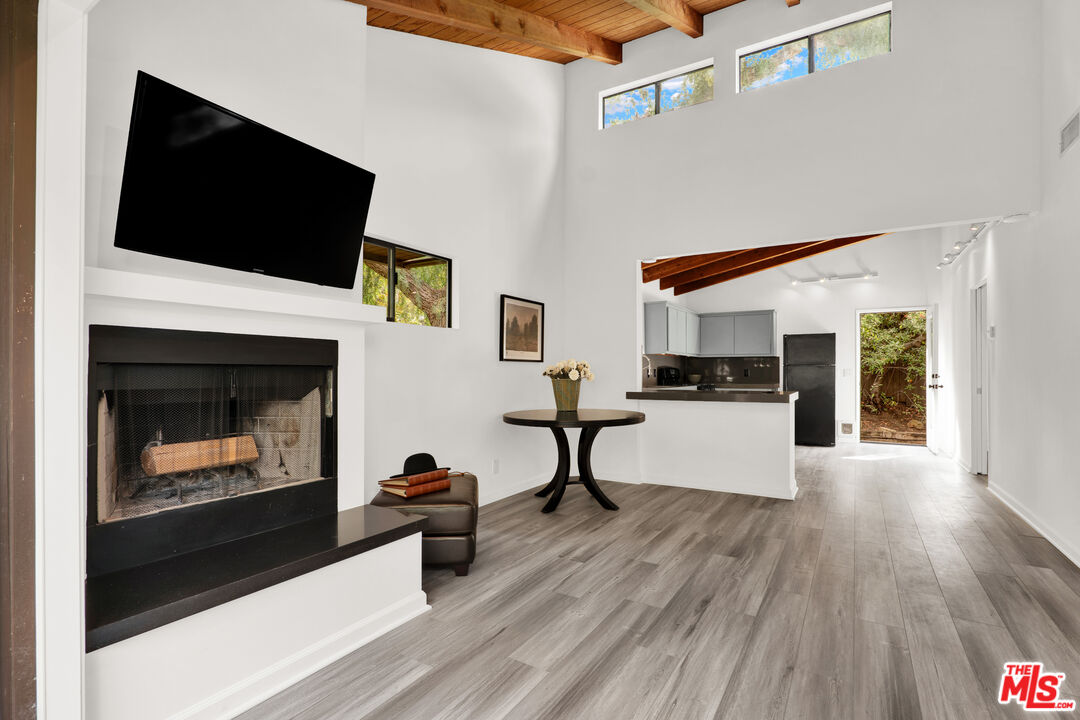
(521, 329)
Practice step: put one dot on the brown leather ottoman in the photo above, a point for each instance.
(450, 536)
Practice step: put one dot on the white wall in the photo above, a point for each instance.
(1033, 300)
(941, 130)
(466, 145)
(901, 261)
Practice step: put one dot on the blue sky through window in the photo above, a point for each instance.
(775, 65)
(689, 88)
(834, 47)
(629, 105)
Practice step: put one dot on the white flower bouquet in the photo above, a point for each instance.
(569, 370)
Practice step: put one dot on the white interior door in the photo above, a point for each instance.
(980, 383)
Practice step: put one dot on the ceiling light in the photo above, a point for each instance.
(940, 265)
(1015, 218)
(835, 278)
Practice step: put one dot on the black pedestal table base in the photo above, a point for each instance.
(590, 422)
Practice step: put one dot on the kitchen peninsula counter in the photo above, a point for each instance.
(739, 441)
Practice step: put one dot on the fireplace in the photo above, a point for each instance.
(196, 439)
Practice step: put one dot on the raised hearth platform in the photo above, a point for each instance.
(123, 604)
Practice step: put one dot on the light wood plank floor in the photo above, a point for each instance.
(895, 586)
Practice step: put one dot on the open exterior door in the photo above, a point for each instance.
(933, 380)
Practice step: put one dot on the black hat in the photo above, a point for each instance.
(419, 463)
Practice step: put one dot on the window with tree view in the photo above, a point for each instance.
(414, 287)
(819, 51)
(672, 93)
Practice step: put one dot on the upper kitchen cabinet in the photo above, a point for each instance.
(670, 329)
(739, 334)
(718, 335)
(755, 333)
(673, 330)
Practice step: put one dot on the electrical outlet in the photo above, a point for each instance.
(495, 466)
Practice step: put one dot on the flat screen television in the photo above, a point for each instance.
(204, 184)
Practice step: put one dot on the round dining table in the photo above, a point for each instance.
(590, 422)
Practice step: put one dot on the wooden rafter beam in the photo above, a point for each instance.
(489, 16)
(669, 266)
(810, 250)
(674, 13)
(737, 260)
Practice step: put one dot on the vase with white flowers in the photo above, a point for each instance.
(566, 377)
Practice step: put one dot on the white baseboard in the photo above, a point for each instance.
(694, 485)
(1068, 550)
(505, 491)
(251, 691)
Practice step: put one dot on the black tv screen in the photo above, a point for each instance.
(204, 184)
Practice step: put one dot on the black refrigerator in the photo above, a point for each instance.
(810, 368)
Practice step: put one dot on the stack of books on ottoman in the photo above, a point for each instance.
(409, 486)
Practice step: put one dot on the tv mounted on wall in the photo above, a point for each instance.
(204, 184)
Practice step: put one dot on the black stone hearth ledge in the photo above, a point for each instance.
(123, 604)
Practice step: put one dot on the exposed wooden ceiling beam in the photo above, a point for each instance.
(669, 266)
(675, 13)
(809, 251)
(738, 260)
(489, 16)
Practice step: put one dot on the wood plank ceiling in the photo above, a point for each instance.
(556, 30)
(695, 272)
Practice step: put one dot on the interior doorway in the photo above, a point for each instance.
(892, 376)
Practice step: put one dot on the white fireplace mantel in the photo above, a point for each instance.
(122, 284)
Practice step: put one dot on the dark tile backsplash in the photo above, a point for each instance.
(720, 371)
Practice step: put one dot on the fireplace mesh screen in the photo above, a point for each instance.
(175, 435)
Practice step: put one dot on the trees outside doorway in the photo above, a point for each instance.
(892, 395)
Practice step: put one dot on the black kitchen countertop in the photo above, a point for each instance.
(725, 395)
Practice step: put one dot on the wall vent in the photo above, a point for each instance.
(1070, 133)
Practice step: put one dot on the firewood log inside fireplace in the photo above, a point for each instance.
(199, 455)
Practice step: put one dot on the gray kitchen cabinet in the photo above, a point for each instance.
(717, 335)
(670, 329)
(738, 334)
(693, 333)
(755, 333)
(676, 330)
